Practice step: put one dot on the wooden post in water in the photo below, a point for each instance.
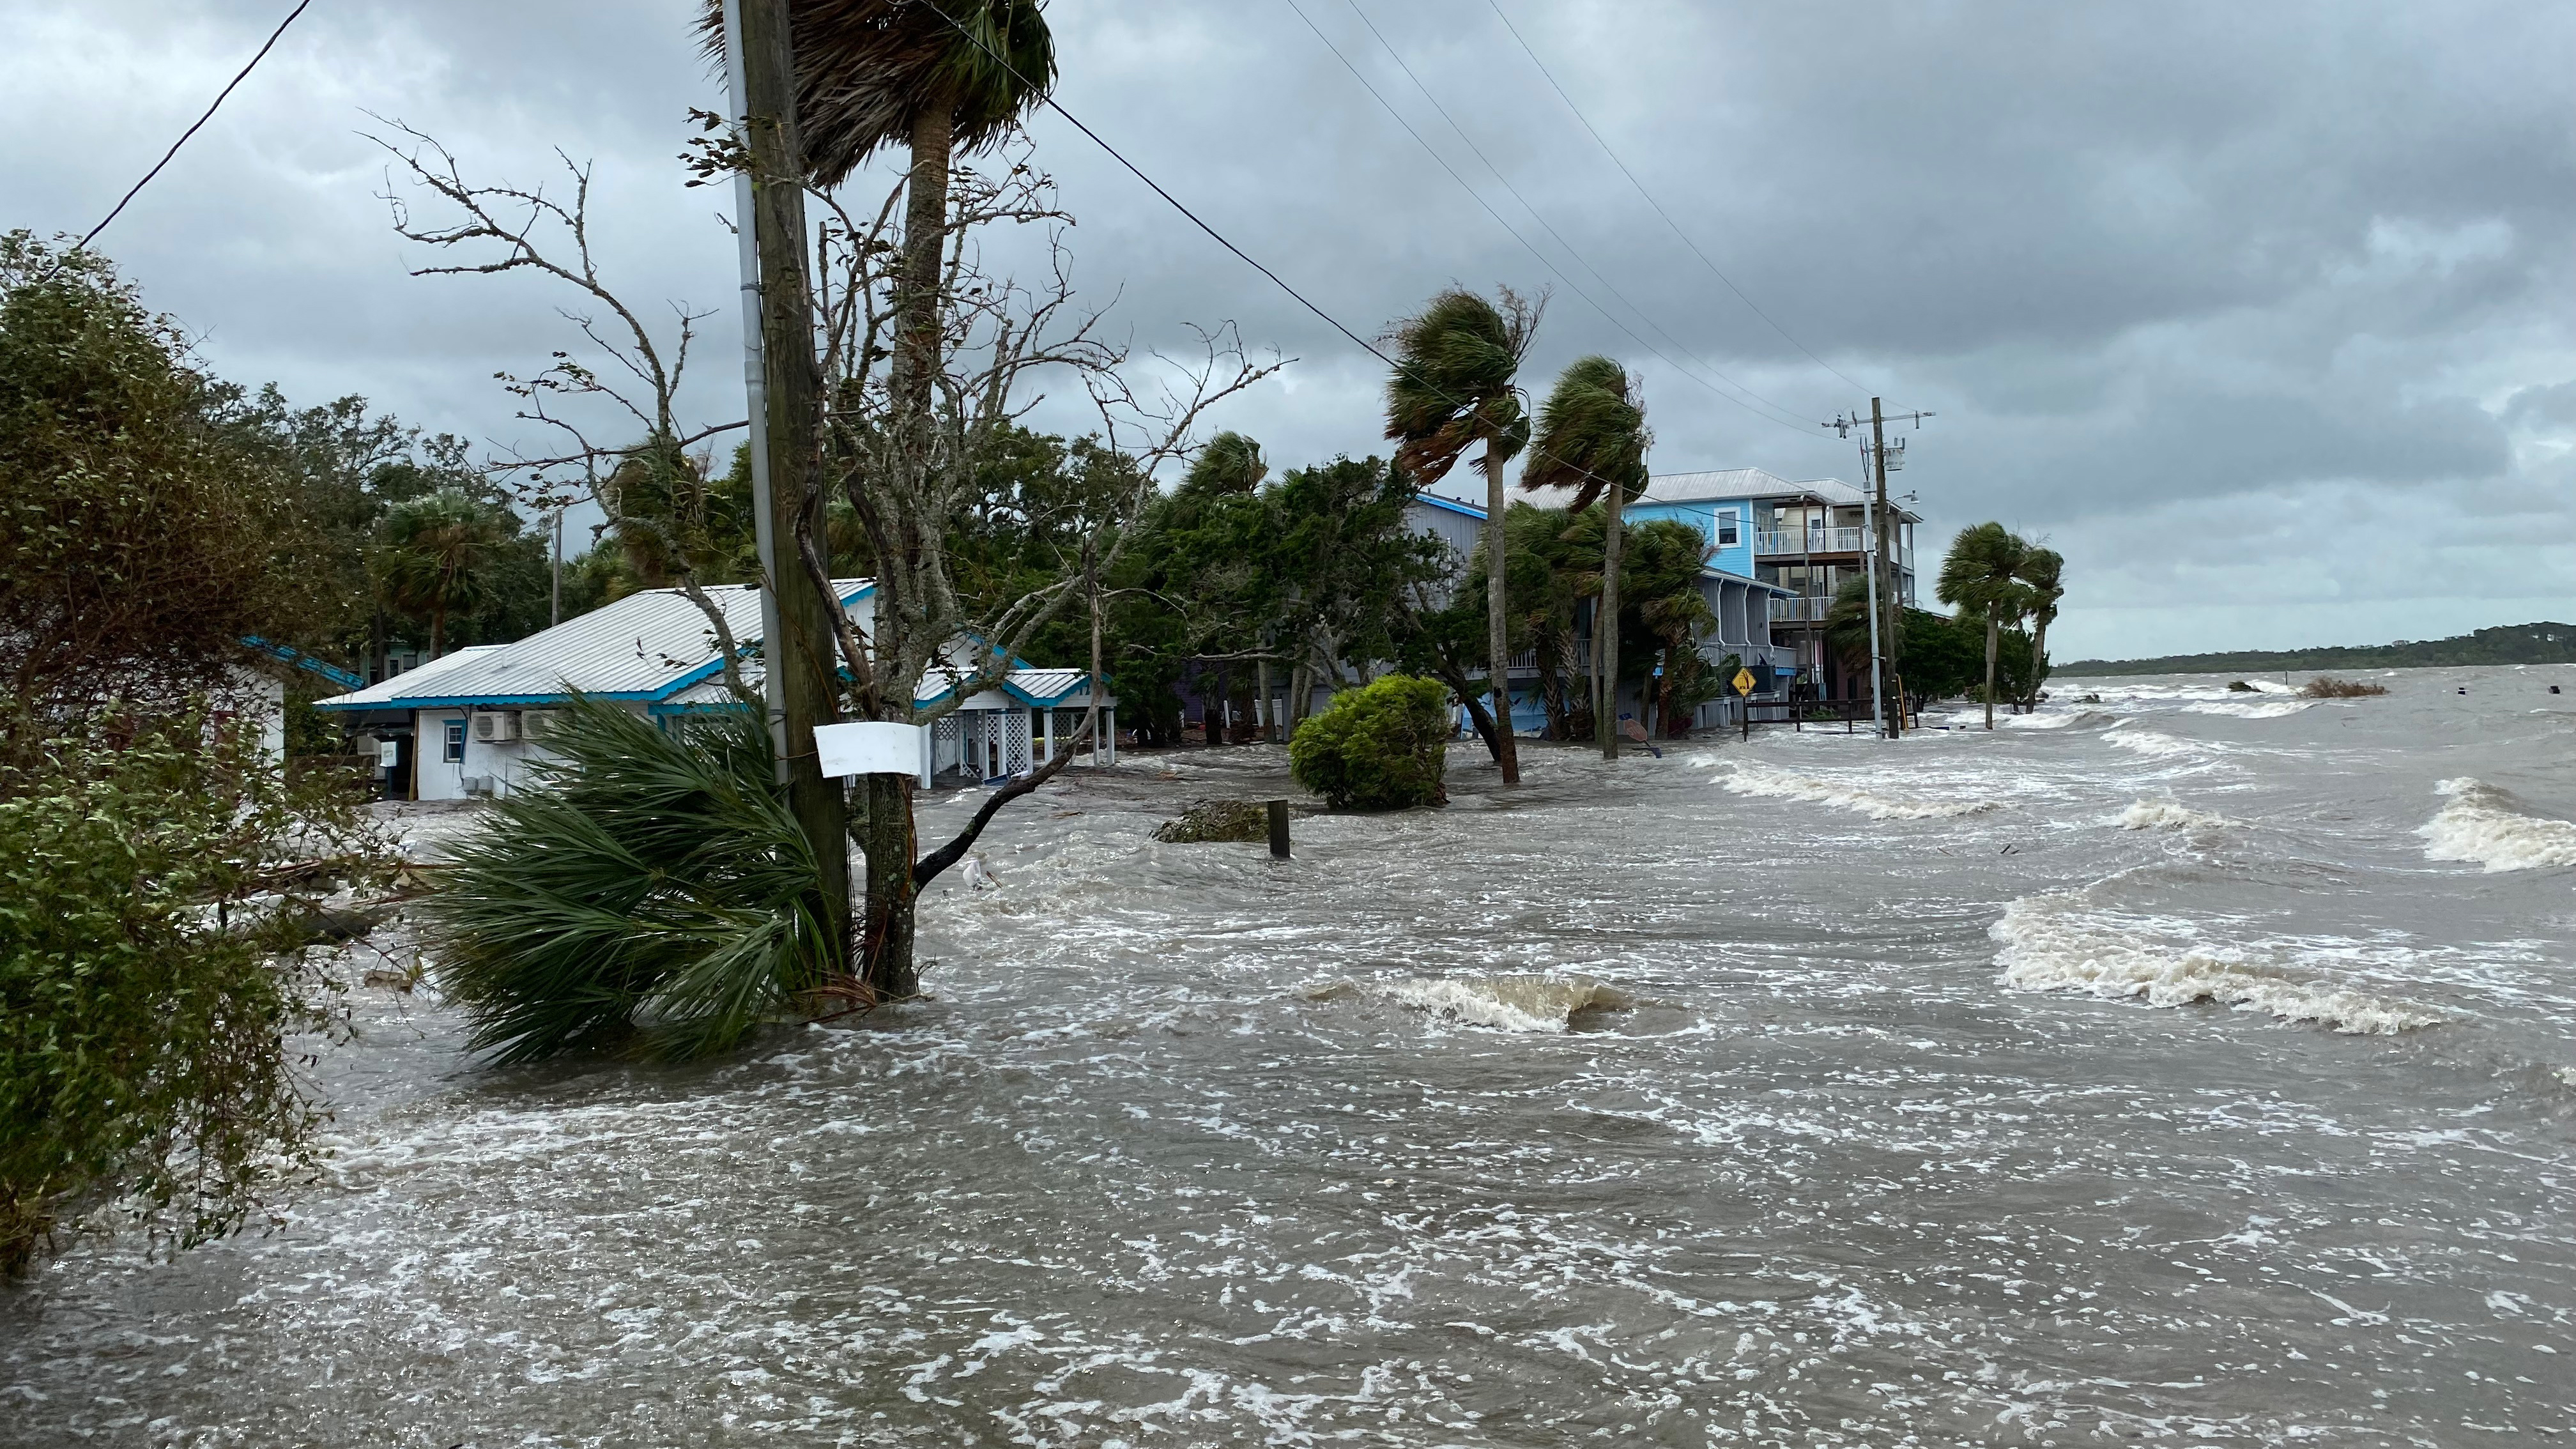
(1279, 829)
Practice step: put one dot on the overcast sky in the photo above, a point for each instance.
(2264, 315)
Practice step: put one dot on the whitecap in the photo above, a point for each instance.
(1525, 1003)
(1848, 795)
(2251, 711)
(2052, 943)
(2151, 743)
(2481, 824)
(2148, 814)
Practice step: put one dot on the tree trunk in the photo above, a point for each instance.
(925, 232)
(2038, 664)
(437, 630)
(1605, 628)
(1261, 710)
(887, 837)
(801, 660)
(1092, 692)
(1497, 615)
(1994, 640)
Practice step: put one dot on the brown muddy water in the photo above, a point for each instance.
(2189, 1067)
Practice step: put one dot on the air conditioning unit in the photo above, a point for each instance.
(496, 727)
(536, 724)
(478, 787)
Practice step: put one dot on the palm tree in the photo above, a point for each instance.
(1453, 388)
(1592, 438)
(936, 76)
(1979, 579)
(435, 551)
(2039, 576)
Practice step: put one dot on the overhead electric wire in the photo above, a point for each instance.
(83, 243)
(1598, 140)
(1499, 220)
(1541, 219)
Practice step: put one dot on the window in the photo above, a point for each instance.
(1727, 537)
(454, 754)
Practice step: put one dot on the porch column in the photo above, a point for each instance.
(1109, 718)
(1049, 757)
(929, 753)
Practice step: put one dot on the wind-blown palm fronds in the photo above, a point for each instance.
(1592, 438)
(1453, 388)
(867, 71)
(650, 891)
(2040, 573)
(1978, 577)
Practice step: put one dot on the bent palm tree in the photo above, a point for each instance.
(1592, 438)
(1452, 389)
(2039, 575)
(435, 551)
(1978, 579)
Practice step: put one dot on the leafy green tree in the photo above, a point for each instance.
(139, 539)
(1980, 577)
(1383, 746)
(1937, 657)
(1454, 388)
(1592, 438)
(151, 876)
(437, 558)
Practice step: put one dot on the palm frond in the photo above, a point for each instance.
(1591, 432)
(1452, 385)
(650, 890)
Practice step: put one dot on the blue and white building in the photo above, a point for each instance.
(1744, 604)
(472, 723)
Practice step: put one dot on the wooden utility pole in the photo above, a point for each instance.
(786, 455)
(1885, 606)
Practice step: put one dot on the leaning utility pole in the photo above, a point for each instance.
(1885, 606)
(785, 386)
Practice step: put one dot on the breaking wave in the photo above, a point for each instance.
(2050, 943)
(2251, 711)
(2481, 824)
(2152, 744)
(1526, 1003)
(1843, 794)
(2168, 815)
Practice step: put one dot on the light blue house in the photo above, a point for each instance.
(1743, 603)
(1802, 539)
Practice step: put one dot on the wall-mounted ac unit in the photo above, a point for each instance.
(536, 724)
(493, 727)
(478, 787)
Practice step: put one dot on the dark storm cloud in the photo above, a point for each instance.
(2158, 268)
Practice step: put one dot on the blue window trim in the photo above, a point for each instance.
(451, 749)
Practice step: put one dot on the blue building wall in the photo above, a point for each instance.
(1709, 517)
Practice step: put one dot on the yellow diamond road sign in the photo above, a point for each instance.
(1744, 681)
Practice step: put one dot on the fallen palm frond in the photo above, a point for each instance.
(649, 891)
(2326, 686)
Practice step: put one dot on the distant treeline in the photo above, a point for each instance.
(2507, 644)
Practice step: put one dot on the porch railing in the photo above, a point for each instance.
(1813, 540)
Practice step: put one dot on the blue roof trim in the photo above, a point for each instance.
(1451, 504)
(302, 660)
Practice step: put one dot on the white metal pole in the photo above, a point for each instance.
(755, 377)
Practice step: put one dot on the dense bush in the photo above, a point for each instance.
(1381, 747)
(148, 985)
(651, 892)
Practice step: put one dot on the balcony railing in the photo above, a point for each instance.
(1796, 610)
(1813, 540)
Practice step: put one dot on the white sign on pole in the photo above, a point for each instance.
(870, 748)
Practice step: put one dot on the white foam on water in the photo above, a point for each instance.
(1849, 795)
(2251, 711)
(2151, 743)
(2481, 824)
(2148, 814)
(1524, 1003)
(2053, 942)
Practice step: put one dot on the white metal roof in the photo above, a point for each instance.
(380, 695)
(1062, 688)
(1728, 483)
(640, 647)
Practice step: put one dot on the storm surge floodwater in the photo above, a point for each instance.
(2035, 1087)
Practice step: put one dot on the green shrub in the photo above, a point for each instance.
(651, 891)
(1382, 747)
(148, 985)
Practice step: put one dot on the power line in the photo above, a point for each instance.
(83, 243)
(1499, 220)
(1570, 249)
(1657, 205)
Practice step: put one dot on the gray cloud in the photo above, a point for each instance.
(2279, 291)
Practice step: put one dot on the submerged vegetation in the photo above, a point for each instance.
(1383, 746)
(2326, 686)
(652, 894)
